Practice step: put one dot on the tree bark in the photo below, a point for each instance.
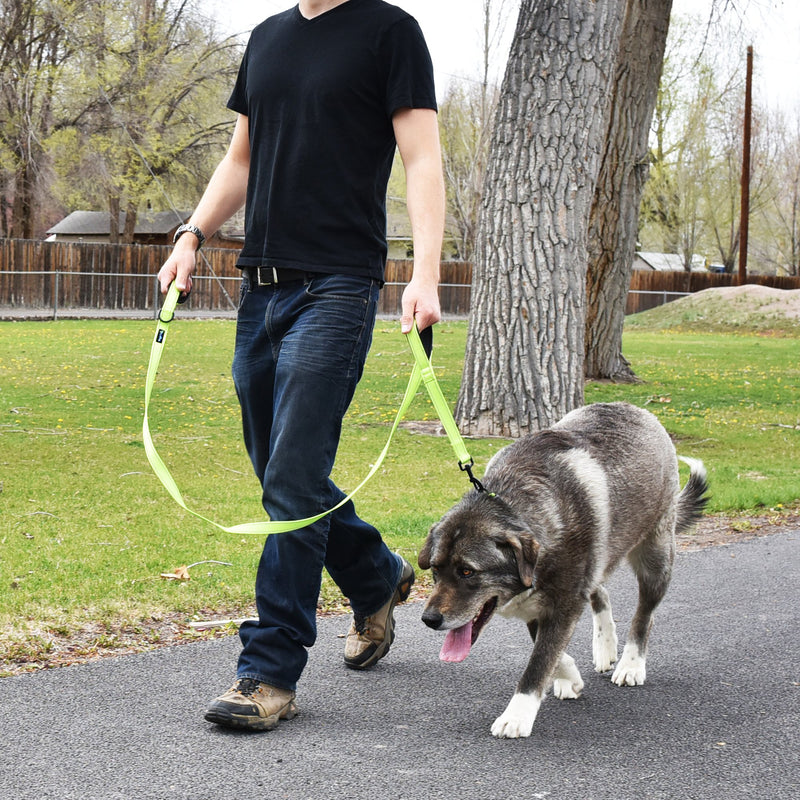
(114, 208)
(523, 368)
(614, 220)
(131, 216)
(23, 209)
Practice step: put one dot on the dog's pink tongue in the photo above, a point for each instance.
(457, 644)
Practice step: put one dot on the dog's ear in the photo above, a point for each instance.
(526, 552)
(424, 557)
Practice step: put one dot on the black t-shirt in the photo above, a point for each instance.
(319, 95)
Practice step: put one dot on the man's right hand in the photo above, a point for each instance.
(180, 266)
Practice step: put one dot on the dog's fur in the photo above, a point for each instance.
(560, 510)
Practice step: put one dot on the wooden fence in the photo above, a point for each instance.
(53, 276)
(651, 289)
(71, 275)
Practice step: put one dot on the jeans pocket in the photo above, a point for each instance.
(244, 288)
(342, 287)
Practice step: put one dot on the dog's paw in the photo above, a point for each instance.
(631, 670)
(567, 681)
(517, 720)
(567, 690)
(604, 642)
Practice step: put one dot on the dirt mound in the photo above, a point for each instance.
(761, 299)
(742, 309)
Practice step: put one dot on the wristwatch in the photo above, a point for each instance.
(189, 229)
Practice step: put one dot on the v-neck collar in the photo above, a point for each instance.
(310, 20)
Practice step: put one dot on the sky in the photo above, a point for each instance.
(772, 27)
(452, 29)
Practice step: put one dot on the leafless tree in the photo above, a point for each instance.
(33, 50)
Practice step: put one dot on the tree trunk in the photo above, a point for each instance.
(113, 219)
(24, 207)
(614, 221)
(525, 349)
(129, 231)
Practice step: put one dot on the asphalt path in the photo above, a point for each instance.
(719, 716)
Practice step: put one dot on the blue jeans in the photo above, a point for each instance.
(300, 351)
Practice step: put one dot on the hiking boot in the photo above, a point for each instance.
(252, 705)
(370, 638)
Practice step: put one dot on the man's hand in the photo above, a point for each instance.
(421, 303)
(180, 266)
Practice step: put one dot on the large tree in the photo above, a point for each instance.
(101, 100)
(525, 349)
(775, 229)
(614, 220)
(33, 49)
(691, 203)
(151, 104)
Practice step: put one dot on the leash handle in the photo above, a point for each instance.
(437, 397)
(426, 337)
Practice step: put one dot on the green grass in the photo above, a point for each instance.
(733, 401)
(87, 529)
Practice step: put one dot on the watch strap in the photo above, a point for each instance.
(189, 229)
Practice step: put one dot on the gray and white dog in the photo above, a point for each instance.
(560, 510)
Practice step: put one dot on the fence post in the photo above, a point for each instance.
(56, 275)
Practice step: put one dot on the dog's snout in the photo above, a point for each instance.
(432, 618)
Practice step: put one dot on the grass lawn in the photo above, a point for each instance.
(87, 529)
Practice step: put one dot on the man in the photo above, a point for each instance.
(325, 92)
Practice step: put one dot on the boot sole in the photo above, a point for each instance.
(247, 722)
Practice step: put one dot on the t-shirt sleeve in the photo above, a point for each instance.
(409, 70)
(238, 99)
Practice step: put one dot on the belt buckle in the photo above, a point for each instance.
(271, 273)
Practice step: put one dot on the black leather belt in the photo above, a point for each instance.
(268, 276)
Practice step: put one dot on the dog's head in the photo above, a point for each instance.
(482, 554)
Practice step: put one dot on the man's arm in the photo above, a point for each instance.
(417, 133)
(223, 197)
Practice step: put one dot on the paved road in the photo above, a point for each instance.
(718, 718)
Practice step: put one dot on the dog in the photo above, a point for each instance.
(554, 515)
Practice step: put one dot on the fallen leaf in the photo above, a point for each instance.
(178, 574)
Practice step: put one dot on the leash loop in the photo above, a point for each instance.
(422, 373)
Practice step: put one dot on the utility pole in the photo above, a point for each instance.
(745, 209)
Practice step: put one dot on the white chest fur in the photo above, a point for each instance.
(527, 606)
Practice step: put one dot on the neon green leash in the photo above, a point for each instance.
(422, 372)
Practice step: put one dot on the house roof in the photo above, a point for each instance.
(670, 262)
(95, 223)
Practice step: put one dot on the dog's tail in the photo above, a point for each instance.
(693, 498)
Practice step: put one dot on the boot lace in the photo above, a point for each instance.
(360, 623)
(247, 686)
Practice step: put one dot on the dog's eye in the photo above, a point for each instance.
(466, 573)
